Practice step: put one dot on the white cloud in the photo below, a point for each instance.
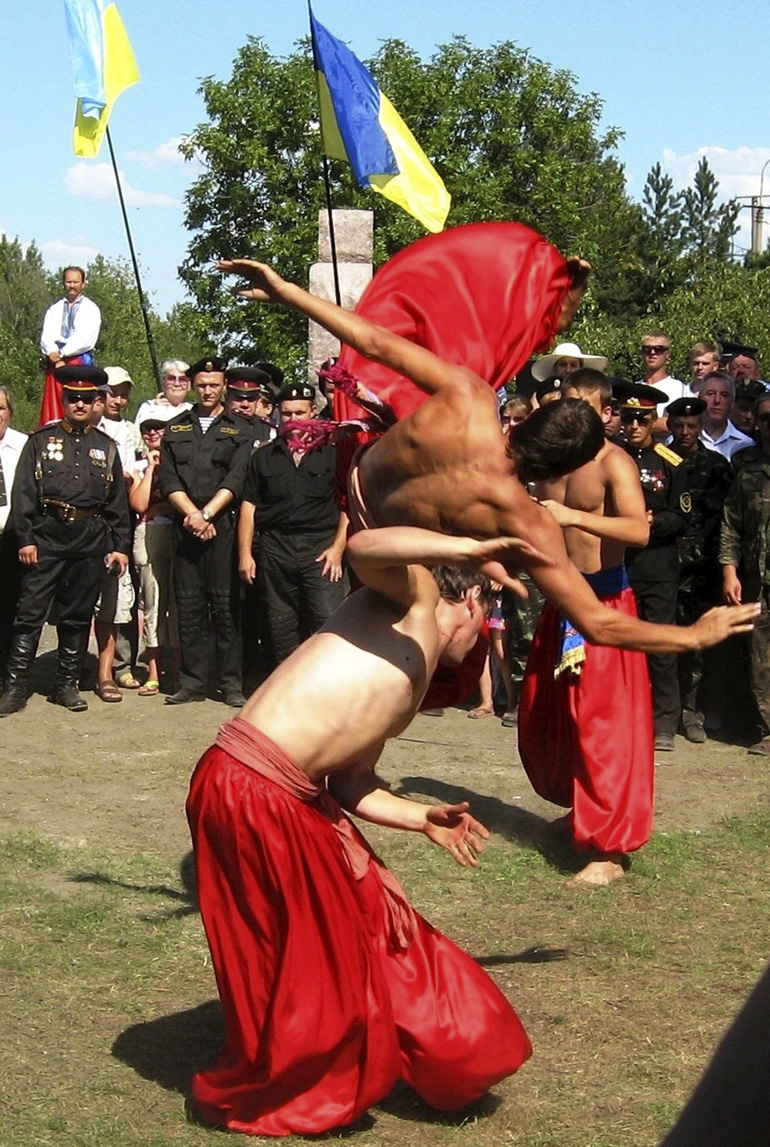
(57, 253)
(97, 181)
(163, 154)
(739, 172)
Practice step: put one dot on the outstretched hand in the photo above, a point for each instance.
(723, 621)
(452, 827)
(265, 281)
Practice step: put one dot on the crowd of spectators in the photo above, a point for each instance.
(225, 546)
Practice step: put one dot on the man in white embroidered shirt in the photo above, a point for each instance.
(70, 330)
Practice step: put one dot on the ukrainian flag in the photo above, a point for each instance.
(103, 66)
(360, 126)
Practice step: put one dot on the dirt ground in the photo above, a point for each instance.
(118, 774)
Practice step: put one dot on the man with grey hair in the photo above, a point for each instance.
(718, 392)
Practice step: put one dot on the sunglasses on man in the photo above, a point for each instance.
(627, 417)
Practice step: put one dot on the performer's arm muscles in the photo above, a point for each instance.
(570, 593)
(423, 367)
(390, 560)
(359, 790)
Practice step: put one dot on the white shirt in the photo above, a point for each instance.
(673, 387)
(85, 331)
(11, 446)
(728, 442)
(122, 435)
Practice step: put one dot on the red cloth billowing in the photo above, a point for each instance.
(323, 1013)
(51, 406)
(451, 685)
(486, 296)
(587, 742)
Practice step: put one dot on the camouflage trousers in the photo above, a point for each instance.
(522, 620)
(760, 662)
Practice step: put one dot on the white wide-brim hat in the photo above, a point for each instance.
(543, 368)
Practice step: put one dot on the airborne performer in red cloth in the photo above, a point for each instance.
(445, 466)
(332, 986)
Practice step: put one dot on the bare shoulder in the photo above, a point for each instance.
(617, 464)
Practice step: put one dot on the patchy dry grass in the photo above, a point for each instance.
(109, 1001)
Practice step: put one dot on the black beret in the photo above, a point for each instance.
(686, 407)
(637, 395)
(85, 378)
(206, 365)
(551, 385)
(296, 391)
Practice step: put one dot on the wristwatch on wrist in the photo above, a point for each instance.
(205, 515)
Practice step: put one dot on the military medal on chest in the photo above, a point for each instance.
(54, 450)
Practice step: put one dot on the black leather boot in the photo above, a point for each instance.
(20, 662)
(72, 648)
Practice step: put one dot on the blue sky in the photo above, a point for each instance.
(670, 75)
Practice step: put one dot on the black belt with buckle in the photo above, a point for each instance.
(52, 508)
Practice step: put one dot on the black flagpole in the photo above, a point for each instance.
(327, 184)
(142, 300)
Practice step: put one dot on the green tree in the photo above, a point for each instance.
(512, 138)
(23, 299)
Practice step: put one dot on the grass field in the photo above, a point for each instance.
(109, 1004)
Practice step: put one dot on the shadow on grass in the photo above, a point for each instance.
(517, 825)
(403, 1103)
(187, 895)
(169, 1050)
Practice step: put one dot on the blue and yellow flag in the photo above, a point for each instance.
(360, 125)
(103, 66)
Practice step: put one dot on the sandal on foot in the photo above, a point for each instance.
(150, 688)
(108, 691)
(477, 714)
(126, 680)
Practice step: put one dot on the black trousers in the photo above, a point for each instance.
(205, 585)
(657, 602)
(295, 600)
(10, 588)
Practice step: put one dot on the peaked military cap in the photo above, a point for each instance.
(637, 395)
(82, 378)
(731, 350)
(248, 382)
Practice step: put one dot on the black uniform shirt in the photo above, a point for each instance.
(701, 485)
(657, 467)
(73, 469)
(199, 464)
(292, 499)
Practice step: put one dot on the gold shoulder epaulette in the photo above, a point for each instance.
(667, 453)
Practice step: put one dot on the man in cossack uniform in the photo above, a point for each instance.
(71, 517)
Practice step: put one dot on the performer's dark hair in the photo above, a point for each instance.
(591, 381)
(555, 440)
(453, 583)
(72, 267)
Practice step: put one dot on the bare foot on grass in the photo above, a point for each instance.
(599, 873)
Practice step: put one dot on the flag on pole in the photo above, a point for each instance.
(360, 126)
(103, 66)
